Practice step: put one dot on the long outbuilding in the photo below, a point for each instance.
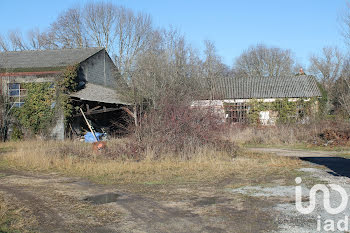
(233, 98)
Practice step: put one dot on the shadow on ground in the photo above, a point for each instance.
(339, 166)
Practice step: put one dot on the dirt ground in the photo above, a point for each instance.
(58, 204)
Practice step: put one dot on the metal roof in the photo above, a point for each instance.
(255, 88)
(93, 92)
(45, 58)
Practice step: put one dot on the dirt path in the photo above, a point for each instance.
(295, 152)
(54, 210)
(58, 205)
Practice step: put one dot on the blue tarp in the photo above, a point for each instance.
(89, 137)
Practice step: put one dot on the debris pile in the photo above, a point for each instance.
(334, 137)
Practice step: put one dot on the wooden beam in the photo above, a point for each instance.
(128, 111)
(98, 111)
(87, 122)
(95, 108)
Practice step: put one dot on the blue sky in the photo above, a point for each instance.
(304, 26)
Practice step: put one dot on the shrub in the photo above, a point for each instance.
(16, 134)
(178, 129)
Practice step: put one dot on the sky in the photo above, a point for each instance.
(303, 26)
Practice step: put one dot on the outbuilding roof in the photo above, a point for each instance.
(45, 58)
(93, 92)
(302, 86)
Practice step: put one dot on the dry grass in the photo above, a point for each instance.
(206, 165)
(14, 218)
(281, 135)
(315, 134)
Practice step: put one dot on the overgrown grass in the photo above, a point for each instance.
(272, 135)
(325, 135)
(206, 164)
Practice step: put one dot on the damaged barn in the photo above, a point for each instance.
(102, 107)
(91, 88)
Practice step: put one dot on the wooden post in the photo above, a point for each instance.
(93, 133)
(87, 109)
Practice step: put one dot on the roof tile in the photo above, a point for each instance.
(282, 87)
(45, 58)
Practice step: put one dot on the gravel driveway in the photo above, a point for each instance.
(334, 170)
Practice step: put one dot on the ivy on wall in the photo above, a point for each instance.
(45, 101)
(67, 84)
(287, 111)
(37, 113)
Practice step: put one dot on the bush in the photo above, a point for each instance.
(16, 134)
(171, 130)
(180, 130)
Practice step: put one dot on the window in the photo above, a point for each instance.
(236, 112)
(16, 94)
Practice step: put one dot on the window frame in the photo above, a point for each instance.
(19, 98)
(237, 112)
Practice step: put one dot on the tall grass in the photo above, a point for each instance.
(206, 164)
(291, 134)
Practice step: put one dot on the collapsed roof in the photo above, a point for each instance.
(93, 92)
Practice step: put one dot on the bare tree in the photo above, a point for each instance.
(67, 31)
(36, 40)
(345, 23)
(168, 71)
(5, 107)
(263, 61)
(133, 34)
(341, 95)
(213, 67)
(327, 67)
(4, 46)
(100, 22)
(17, 41)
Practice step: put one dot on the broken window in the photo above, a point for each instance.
(237, 112)
(16, 94)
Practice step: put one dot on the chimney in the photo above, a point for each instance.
(301, 71)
